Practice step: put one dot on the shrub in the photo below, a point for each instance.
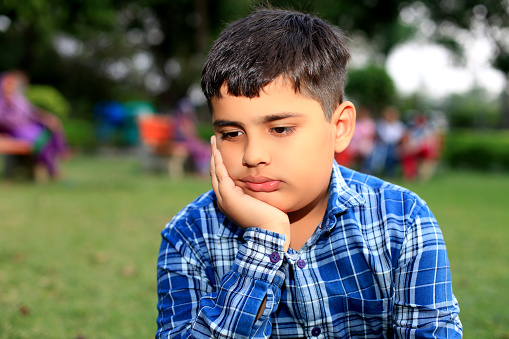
(371, 86)
(80, 134)
(479, 150)
(49, 99)
(473, 109)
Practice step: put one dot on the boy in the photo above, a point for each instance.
(289, 244)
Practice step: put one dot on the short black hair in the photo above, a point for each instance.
(303, 49)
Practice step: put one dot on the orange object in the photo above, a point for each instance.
(13, 146)
(156, 130)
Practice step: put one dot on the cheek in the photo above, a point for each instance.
(313, 158)
(231, 157)
(314, 148)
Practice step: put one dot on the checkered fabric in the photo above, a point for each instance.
(377, 267)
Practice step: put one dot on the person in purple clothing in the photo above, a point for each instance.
(21, 120)
(186, 134)
(288, 244)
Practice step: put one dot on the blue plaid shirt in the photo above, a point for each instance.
(376, 268)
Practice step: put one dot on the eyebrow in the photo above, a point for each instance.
(227, 123)
(279, 116)
(263, 120)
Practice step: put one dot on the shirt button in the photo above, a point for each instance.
(301, 263)
(315, 332)
(274, 257)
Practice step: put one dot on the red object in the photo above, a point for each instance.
(344, 158)
(156, 130)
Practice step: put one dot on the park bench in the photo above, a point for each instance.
(19, 160)
(158, 145)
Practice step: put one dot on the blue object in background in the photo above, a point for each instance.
(133, 109)
(109, 117)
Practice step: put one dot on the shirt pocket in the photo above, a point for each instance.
(363, 317)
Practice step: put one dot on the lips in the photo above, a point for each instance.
(261, 184)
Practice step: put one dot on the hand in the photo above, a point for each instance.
(52, 122)
(243, 209)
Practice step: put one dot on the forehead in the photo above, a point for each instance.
(278, 97)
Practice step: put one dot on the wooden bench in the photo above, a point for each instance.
(157, 143)
(19, 160)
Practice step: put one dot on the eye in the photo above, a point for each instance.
(230, 135)
(281, 131)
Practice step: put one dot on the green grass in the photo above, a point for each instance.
(472, 210)
(78, 258)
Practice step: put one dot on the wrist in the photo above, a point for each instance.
(261, 256)
(282, 228)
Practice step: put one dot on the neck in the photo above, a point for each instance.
(305, 221)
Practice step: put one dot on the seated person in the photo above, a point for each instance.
(21, 120)
(186, 134)
(289, 244)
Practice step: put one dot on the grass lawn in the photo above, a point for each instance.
(77, 258)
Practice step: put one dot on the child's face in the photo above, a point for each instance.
(278, 147)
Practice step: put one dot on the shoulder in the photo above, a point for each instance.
(198, 219)
(386, 197)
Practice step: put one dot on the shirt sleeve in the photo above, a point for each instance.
(191, 307)
(424, 304)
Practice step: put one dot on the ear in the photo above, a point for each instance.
(343, 122)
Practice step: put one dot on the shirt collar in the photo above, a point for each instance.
(341, 197)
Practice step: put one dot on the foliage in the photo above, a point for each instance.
(474, 109)
(80, 134)
(371, 86)
(85, 267)
(479, 150)
(153, 49)
(490, 16)
(205, 131)
(461, 20)
(90, 50)
(49, 99)
(377, 20)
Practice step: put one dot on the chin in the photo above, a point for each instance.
(269, 198)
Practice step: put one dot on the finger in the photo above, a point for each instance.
(219, 167)
(213, 175)
(225, 185)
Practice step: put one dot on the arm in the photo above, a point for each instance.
(424, 305)
(191, 306)
(48, 120)
(240, 307)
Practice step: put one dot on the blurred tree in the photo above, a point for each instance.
(455, 22)
(376, 20)
(372, 87)
(474, 109)
(93, 50)
(52, 41)
(49, 99)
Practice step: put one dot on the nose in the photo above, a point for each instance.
(256, 152)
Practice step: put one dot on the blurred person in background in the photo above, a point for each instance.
(363, 140)
(185, 120)
(420, 149)
(390, 132)
(21, 120)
